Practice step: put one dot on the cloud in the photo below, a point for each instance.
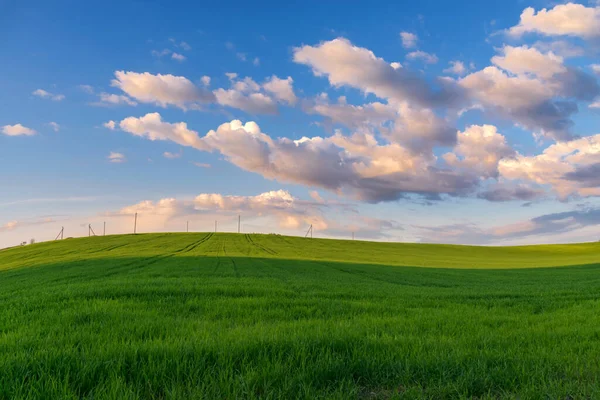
(110, 125)
(171, 156)
(526, 60)
(152, 127)
(178, 57)
(254, 103)
(162, 90)
(245, 94)
(201, 165)
(479, 151)
(277, 209)
(563, 20)
(566, 167)
(17, 130)
(345, 64)
(562, 48)
(109, 99)
(47, 95)
(12, 225)
(507, 192)
(456, 68)
(205, 80)
(117, 158)
(357, 165)
(595, 68)
(282, 89)
(161, 53)
(55, 127)
(256, 61)
(421, 55)
(86, 88)
(537, 91)
(409, 40)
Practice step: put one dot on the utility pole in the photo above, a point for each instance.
(310, 230)
(61, 232)
(239, 221)
(89, 230)
(104, 231)
(187, 226)
(135, 224)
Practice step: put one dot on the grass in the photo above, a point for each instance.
(227, 316)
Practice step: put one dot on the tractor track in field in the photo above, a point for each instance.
(192, 246)
(235, 268)
(111, 248)
(261, 247)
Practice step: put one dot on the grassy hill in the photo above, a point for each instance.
(227, 316)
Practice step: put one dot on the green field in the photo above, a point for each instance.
(229, 316)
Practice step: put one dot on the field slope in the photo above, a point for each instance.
(230, 316)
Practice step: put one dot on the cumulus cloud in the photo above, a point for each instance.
(563, 20)
(532, 89)
(247, 95)
(47, 95)
(162, 90)
(205, 80)
(423, 56)
(276, 210)
(456, 68)
(358, 165)
(17, 130)
(86, 88)
(567, 167)
(116, 158)
(409, 40)
(345, 64)
(178, 57)
(152, 127)
(110, 125)
(479, 150)
(282, 89)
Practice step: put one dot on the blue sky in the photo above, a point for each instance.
(462, 122)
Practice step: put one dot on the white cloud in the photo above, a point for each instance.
(564, 19)
(171, 156)
(152, 127)
(282, 89)
(178, 57)
(162, 90)
(456, 68)
(570, 168)
(421, 55)
(524, 60)
(47, 95)
(595, 105)
(201, 165)
(205, 80)
(55, 127)
(256, 61)
(255, 103)
(109, 99)
(596, 68)
(161, 53)
(116, 158)
(345, 64)
(479, 150)
(110, 125)
(409, 40)
(17, 130)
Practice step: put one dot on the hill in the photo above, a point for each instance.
(266, 316)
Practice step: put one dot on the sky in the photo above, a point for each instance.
(431, 121)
